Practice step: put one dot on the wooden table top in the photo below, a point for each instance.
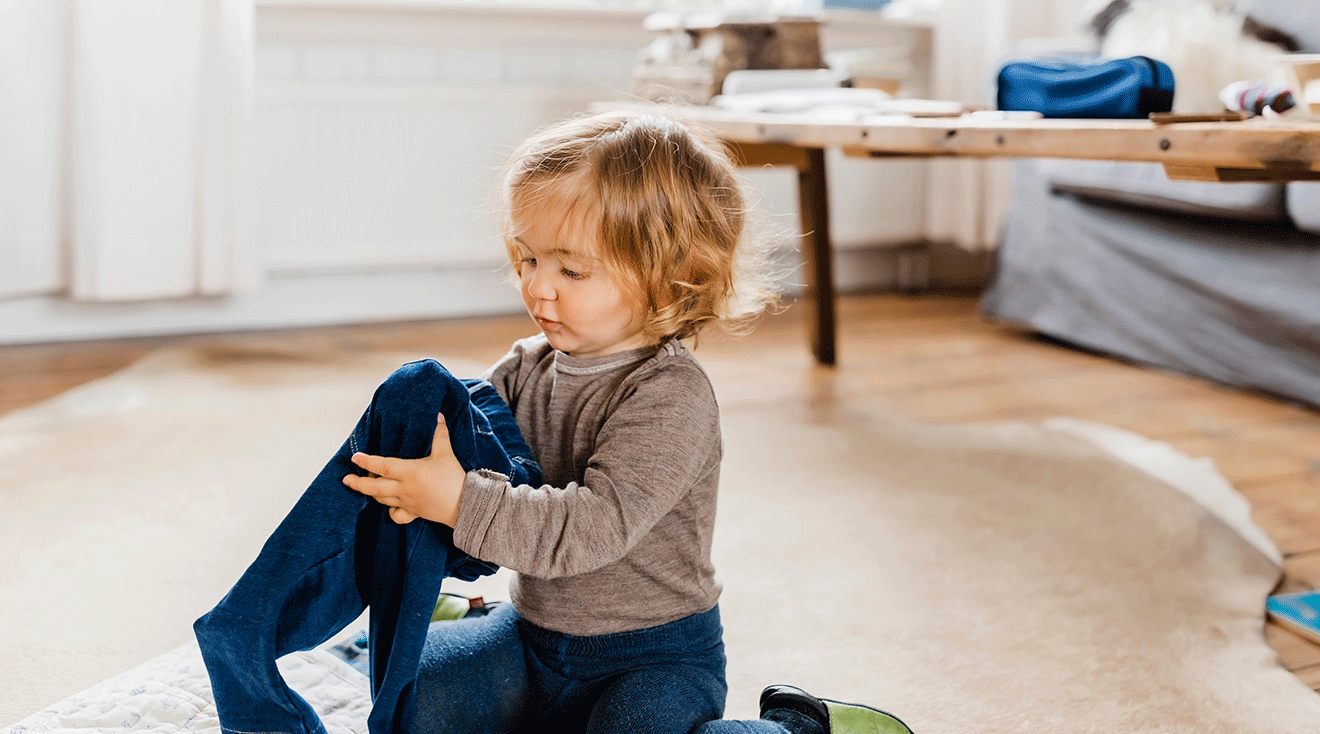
(1258, 149)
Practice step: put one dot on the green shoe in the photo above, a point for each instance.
(452, 606)
(449, 607)
(836, 717)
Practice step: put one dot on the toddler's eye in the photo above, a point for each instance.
(573, 274)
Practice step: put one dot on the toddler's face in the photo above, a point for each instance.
(567, 289)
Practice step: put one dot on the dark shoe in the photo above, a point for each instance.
(836, 717)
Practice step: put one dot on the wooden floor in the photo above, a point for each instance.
(932, 359)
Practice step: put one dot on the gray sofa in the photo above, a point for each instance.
(1211, 279)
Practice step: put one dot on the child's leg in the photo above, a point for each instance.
(673, 683)
(472, 678)
(668, 678)
(662, 699)
(337, 551)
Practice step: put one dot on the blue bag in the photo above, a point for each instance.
(1087, 87)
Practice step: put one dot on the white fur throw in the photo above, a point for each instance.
(1203, 44)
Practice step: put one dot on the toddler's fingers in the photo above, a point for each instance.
(382, 489)
(379, 465)
(401, 516)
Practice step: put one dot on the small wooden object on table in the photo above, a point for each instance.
(687, 64)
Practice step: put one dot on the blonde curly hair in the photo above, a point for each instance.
(669, 214)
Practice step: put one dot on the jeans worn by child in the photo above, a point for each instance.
(500, 674)
(338, 552)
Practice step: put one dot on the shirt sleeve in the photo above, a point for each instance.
(660, 441)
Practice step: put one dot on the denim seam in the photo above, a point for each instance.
(478, 385)
(565, 671)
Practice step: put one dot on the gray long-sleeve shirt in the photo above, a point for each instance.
(619, 537)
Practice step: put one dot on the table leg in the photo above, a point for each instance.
(813, 205)
(814, 208)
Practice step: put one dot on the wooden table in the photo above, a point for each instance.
(1252, 150)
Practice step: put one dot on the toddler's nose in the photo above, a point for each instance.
(541, 288)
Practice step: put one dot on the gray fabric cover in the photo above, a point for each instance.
(1145, 184)
(1304, 205)
(1235, 302)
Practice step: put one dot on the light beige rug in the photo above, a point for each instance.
(1005, 578)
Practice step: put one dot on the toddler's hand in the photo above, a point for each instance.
(428, 488)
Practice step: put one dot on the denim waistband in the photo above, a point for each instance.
(698, 631)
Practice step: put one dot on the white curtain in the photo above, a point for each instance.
(31, 140)
(966, 198)
(129, 123)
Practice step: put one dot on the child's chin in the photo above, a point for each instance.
(559, 342)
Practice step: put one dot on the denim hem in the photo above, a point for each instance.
(227, 730)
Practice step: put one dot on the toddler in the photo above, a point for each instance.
(626, 232)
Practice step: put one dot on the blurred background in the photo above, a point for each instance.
(181, 166)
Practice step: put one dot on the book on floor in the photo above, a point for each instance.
(1299, 612)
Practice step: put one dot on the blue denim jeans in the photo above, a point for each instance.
(500, 673)
(337, 552)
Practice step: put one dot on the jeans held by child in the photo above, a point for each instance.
(338, 552)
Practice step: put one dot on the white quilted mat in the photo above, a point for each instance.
(171, 693)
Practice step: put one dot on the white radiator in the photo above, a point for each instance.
(362, 177)
(386, 155)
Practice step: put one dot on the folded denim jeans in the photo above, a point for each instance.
(338, 552)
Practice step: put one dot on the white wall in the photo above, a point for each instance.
(380, 129)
